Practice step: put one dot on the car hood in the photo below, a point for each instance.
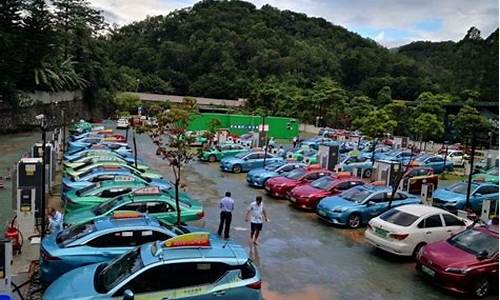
(231, 160)
(280, 180)
(336, 202)
(262, 173)
(77, 283)
(306, 190)
(448, 196)
(444, 255)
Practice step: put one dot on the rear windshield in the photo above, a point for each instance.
(73, 233)
(398, 217)
(296, 174)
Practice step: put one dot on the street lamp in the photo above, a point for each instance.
(43, 125)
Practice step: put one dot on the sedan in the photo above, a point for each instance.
(225, 150)
(258, 177)
(406, 229)
(466, 263)
(489, 176)
(307, 196)
(435, 162)
(109, 165)
(454, 197)
(247, 161)
(281, 185)
(99, 240)
(358, 205)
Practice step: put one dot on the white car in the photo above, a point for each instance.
(405, 229)
(122, 123)
(456, 156)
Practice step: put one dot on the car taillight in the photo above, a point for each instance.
(200, 214)
(46, 256)
(398, 236)
(256, 285)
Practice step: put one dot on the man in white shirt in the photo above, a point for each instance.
(55, 220)
(257, 215)
(226, 207)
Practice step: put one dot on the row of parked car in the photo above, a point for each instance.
(453, 252)
(121, 240)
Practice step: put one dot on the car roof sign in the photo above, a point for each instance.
(149, 190)
(124, 178)
(189, 240)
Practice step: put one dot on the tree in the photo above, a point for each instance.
(359, 106)
(173, 144)
(402, 114)
(376, 125)
(469, 123)
(329, 98)
(384, 96)
(428, 126)
(125, 103)
(428, 102)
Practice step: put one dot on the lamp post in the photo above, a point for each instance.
(43, 126)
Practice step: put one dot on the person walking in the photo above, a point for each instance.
(257, 214)
(295, 141)
(226, 207)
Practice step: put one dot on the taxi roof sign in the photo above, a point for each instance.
(127, 214)
(149, 190)
(124, 178)
(189, 240)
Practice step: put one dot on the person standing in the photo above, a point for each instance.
(294, 141)
(55, 220)
(226, 207)
(257, 215)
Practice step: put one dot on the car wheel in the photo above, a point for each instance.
(417, 249)
(481, 287)
(237, 169)
(354, 221)
(212, 158)
(367, 173)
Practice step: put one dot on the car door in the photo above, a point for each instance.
(110, 245)
(484, 192)
(375, 205)
(453, 225)
(251, 161)
(432, 229)
(161, 210)
(437, 164)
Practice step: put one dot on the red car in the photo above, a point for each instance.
(281, 185)
(466, 263)
(307, 196)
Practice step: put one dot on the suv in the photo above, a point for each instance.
(191, 266)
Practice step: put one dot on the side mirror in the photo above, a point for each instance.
(478, 195)
(370, 203)
(128, 295)
(245, 159)
(482, 255)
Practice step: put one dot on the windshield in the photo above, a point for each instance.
(241, 155)
(357, 195)
(323, 183)
(119, 269)
(86, 190)
(475, 242)
(398, 217)
(296, 174)
(85, 164)
(493, 172)
(461, 188)
(309, 152)
(72, 233)
(272, 167)
(106, 206)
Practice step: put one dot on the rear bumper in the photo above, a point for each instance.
(386, 245)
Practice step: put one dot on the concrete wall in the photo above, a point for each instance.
(309, 128)
(179, 99)
(46, 97)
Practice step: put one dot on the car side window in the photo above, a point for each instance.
(133, 206)
(158, 207)
(486, 190)
(146, 236)
(450, 220)
(378, 198)
(343, 186)
(110, 193)
(186, 275)
(430, 222)
(437, 159)
(287, 168)
(114, 239)
(252, 156)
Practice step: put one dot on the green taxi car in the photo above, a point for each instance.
(489, 176)
(224, 150)
(87, 160)
(305, 154)
(150, 200)
(99, 192)
(108, 165)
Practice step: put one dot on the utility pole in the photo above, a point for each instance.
(265, 141)
(445, 156)
(135, 149)
(469, 181)
(42, 205)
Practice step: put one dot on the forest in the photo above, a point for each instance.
(284, 63)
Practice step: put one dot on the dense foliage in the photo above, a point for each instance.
(284, 63)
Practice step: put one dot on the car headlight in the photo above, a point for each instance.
(337, 209)
(452, 203)
(457, 270)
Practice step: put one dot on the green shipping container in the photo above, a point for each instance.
(278, 127)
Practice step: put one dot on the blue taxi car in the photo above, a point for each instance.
(360, 163)
(100, 240)
(435, 162)
(258, 177)
(192, 266)
(359, 204)
(453, 198)
(96, 152)
(102, 174)
(247, 161)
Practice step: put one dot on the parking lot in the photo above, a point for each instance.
(300, 257)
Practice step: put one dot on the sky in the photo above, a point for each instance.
(389, 22)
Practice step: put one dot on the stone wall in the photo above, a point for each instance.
(23, 118)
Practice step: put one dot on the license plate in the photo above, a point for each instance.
(381, 232)
(322, 213)
(428, 271)
(293, 199)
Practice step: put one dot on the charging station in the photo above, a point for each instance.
(426, 193)
(50, 162)
(328, 156)
(386, 171)
(29, 178)
(5, 269)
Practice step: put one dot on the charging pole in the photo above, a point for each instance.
(42, 205)
(5, 268)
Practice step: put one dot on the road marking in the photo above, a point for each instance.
(240, 228)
